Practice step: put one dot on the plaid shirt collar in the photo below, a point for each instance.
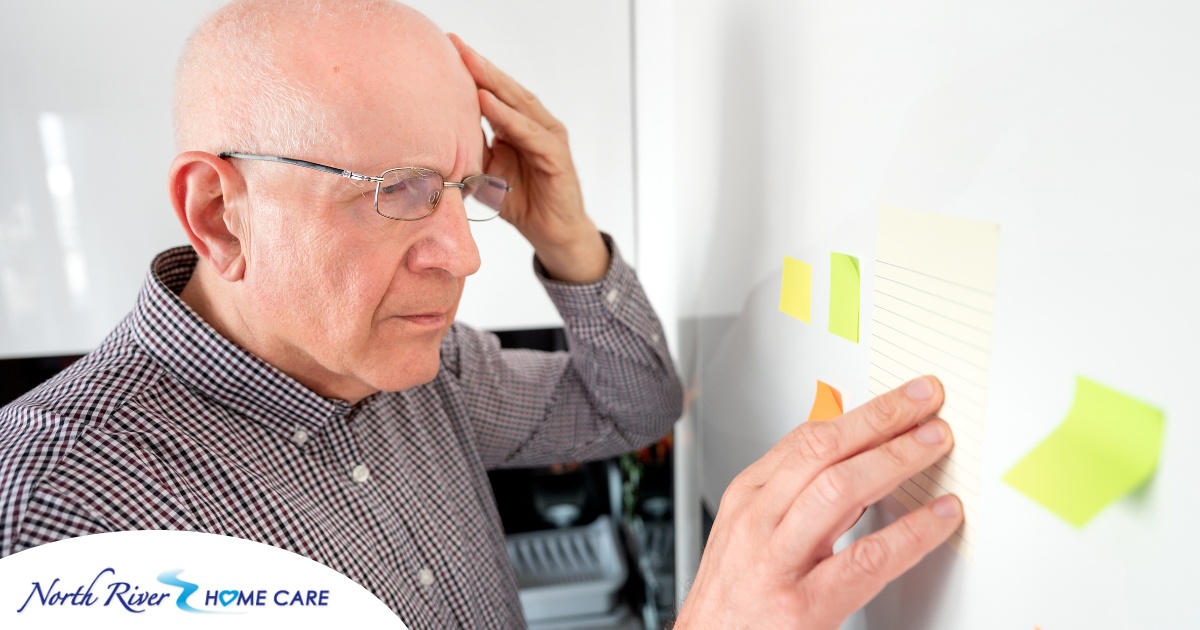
(183, 343)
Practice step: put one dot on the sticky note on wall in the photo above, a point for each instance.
(843, 296)
(795, 296)
(828, 404)
(1106, 447)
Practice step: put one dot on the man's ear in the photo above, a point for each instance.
(202, 187)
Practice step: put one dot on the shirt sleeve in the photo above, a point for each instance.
(615, 390)
(32, 443)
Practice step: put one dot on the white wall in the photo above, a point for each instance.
(1073, 126)
(85, 143)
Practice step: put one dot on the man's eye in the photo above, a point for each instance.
(399, 186)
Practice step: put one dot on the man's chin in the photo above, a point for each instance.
(399, 385)
(393, 365)
(405, 374)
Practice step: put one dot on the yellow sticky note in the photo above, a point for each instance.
(828, 404)
(843, 296)
(795, 296)
(1105, 448)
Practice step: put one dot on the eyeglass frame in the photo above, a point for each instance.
(360, 177)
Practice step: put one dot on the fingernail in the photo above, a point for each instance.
(920, 389)
(931, 433)
(946, 507)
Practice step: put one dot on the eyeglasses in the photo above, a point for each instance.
(410, 193)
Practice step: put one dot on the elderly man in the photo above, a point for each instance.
(295, 376)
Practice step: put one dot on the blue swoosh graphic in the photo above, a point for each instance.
(172, 578)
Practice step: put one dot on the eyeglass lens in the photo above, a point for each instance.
(411, 193)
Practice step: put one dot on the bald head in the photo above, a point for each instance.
(285, 76)
(299, 268)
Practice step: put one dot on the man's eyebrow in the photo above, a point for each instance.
(375, 169)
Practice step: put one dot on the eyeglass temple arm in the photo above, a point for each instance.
(306, 164)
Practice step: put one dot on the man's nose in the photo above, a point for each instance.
(447, 242)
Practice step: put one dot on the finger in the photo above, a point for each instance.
(818, 515)
(819, 552)
(504, 161)
(507, 89)
(539, 146)
(851, 520)
(813, 446)
(493, 79)
(487, 151)
(850, 578)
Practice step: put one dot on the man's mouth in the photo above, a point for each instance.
(430, 319)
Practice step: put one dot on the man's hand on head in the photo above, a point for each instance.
(530, 150)
(769, 562)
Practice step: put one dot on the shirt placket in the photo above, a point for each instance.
(382, 475)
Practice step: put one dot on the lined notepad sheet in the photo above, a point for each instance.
(935, 284)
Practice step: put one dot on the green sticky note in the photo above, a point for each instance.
(1106, 448)
(843, 296)
(795, 297)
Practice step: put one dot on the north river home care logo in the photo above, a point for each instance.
(107, 589)
(180, 580)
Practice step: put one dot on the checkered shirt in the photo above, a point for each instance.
(168, 425)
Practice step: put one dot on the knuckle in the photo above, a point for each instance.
(529, 126)
(529, 98)
(883, 413)
(896, 456)
(795, 603)
(868, 556)
(809, 602)
(734, 493)
(729, 497)
(831, 486)
(910, 535)
(818, 441)
(738, 522)
(744, 525)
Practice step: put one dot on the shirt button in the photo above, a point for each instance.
(425, 577)
(299, 437)
(654, 337)
(360, 473)
(612, 296)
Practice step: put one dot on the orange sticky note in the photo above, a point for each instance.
(828, 404)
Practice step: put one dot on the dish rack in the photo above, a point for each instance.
(568, 573)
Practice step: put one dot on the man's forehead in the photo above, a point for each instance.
(399, 98)
(448, 154)
(399, 44)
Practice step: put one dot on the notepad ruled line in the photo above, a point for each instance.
(931, 294)
(952, 373)
(936, 277)
(933, 314)
(930, 328)
(941, 367)
(927, 344)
